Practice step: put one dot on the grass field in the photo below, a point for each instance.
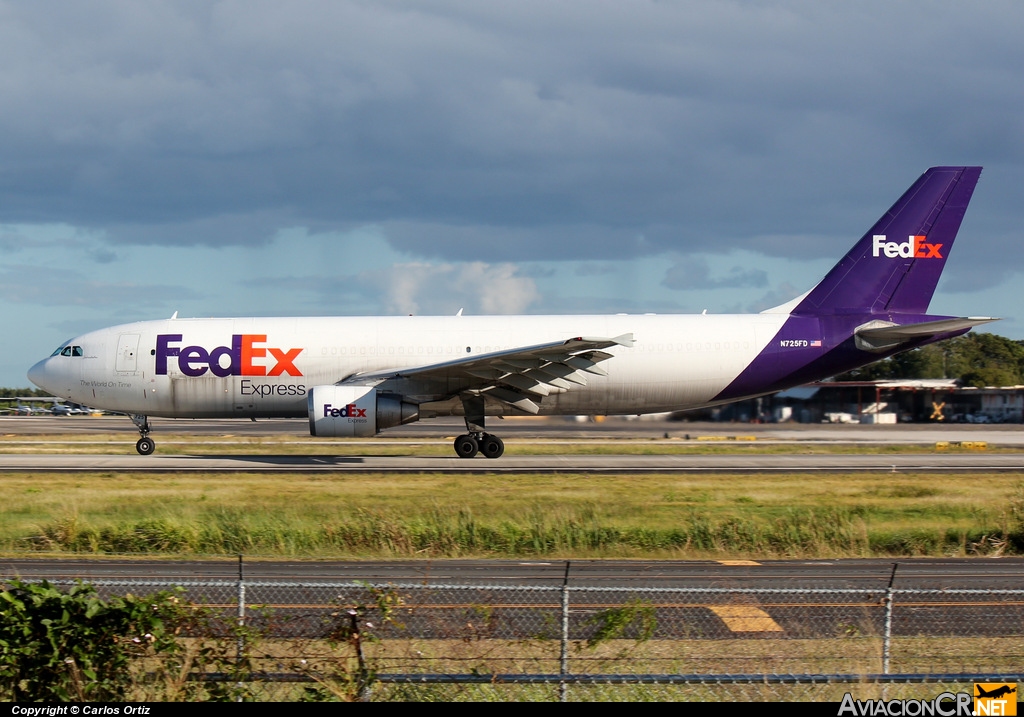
(566, 515)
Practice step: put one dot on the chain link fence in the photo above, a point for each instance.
(405, 641)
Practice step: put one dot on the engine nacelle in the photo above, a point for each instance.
(345, 411)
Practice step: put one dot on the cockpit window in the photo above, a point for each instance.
(77, 351)
(61, 349)
(69, 351)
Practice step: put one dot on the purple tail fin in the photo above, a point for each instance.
(895, 266)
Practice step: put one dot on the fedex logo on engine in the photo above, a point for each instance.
(243, 357)
(349, 411)
(915, 247)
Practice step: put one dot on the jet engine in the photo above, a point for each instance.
(345, 411)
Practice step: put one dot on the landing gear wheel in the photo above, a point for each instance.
(492, 446)
(466, 446)
(145, 446)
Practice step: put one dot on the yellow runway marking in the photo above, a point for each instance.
(737, 562)
(745, 618)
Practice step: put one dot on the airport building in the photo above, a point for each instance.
(893, 401)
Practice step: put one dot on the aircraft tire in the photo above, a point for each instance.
(466, 446)
(492, 446)
(145, 446)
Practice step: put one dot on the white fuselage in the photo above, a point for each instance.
(677, 362)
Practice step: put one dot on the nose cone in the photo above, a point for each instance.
(38, 375)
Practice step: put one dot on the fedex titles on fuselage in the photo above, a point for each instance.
(245, 357)
(194, 361)
(914, 248)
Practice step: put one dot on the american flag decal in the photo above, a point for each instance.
(815, 344)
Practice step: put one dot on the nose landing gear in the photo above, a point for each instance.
(145, 445)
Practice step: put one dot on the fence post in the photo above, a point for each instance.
(563, 667)
(241, 609)
(887, 634)
(240, 635)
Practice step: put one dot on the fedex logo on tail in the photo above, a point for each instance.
(914, 248)
(245, 357)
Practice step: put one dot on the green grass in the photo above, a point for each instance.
(539, 515)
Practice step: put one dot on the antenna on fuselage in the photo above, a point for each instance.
(174, 315)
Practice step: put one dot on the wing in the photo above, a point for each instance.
(519, 377)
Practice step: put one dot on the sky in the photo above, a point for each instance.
(327, 157)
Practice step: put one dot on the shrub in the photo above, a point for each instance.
(57, 646)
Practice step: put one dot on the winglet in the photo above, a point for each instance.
(626, 340)
(599, 342)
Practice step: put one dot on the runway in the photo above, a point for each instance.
(918, 574)
(615, 428)
(41, 433)
(512, 464)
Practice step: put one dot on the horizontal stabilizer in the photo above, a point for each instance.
(882, 335)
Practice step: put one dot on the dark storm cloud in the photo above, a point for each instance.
(255, 228)
(694, 273)
(523, 131)
(777, 296)
(46, 286)
(512, 243)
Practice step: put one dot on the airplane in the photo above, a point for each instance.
(996, 692)
(68, 409)
(357, 376)
(22, 410)
(25, 405)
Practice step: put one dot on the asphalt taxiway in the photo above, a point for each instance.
(918, 574)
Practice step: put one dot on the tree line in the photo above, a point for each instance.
(976, 359)
(26, 392)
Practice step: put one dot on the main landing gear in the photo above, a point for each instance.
(469, 444)
(145, 445)
(476, 440)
